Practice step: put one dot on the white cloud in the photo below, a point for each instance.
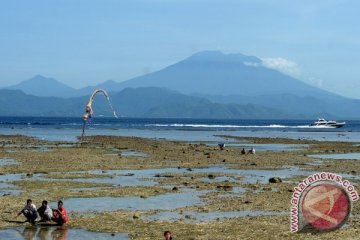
(316, 82)
(283, 65)
(251, 64)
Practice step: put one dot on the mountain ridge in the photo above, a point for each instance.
(140, 102)
(228, 79)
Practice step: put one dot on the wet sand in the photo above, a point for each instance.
(213, 181)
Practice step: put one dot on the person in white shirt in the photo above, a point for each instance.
(29, 211)
(45, 212)
(252, 151)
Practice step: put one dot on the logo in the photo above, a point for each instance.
(325, 206)
(321, 202)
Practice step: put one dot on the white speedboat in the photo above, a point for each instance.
(330, 123)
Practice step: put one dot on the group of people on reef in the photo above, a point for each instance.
(58, 215)
(243, 151)
(251, 151)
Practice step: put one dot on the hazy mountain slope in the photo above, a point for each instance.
(292, 104)
(217, 77)
(17, 103)
(215, 73)
(42, 86)
(142, 102)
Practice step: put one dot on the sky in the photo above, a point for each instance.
(85, 42)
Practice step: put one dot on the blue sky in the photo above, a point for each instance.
(85, 42)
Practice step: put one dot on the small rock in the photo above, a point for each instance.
(211, 176)
(275, 180)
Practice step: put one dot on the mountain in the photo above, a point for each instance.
(328, 107)
(140, 102)
(215, 78)
(216, 73)
(43, 86)
(17, 103)
(109, 85)
(241, 79)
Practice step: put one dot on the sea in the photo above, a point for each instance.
(190, 130)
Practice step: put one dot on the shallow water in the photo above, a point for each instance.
(7, 161)
(316, 163)
(55, 233)
(13, 192)
(219, 179)
(127, 153)
(266, 147)
(238, 190)
(352, 156)
(146, 177)
(8, 189)
(11, 177)
(34, 148)
(87, 189)
(133, 154)
(189, 216)
(71, 134)
(168, 201)
(6, 185)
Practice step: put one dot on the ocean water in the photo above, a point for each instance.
(68, 129)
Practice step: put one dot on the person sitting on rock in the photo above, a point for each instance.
(45, 212)
(60, 214)
(29, 211)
